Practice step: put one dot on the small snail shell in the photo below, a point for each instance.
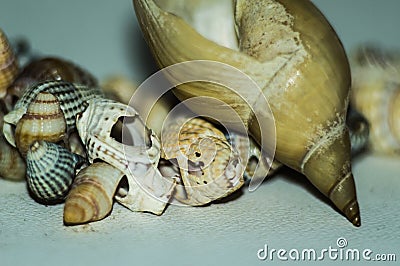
(71, 97)
(45, 69)
(12, 166)
(291, 51)
(50, 171)
(43, 120)
(376, 95)
(210, 169)
(359, 131)
(8, 65)
(92, 194)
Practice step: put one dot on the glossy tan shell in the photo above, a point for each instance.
(209, 168)
(8, 64)
(291, 51)
(376, 94)
(43, 120)
(92, 194)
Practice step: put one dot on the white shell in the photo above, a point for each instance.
(147, 189)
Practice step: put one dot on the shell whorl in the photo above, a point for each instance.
(43, 120)
(50, 170)
(8, 64)
(92, 194)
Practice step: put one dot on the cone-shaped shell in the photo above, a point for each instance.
(92, 194)
(50, 171)
(43, 120)
(290, 50)
(8, 64)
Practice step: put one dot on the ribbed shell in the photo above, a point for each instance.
(50, 68)
(71, 97)
(12, 166)
(210, 169)
(92, 194)
(8, 64)
(43, 120)
(50, 170)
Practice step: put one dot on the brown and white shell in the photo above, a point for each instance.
(43, 120)
(209, 168)
(91, 196)
(12, 165)
(376, 95)
(8, 64)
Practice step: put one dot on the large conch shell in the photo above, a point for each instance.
(291, 51)
(376, 94)
(136, 155)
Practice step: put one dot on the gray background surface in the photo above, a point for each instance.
(285, 212)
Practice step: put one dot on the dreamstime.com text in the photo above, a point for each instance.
(340, 252)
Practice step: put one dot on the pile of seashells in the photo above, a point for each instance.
(63, 132)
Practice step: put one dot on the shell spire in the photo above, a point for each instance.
(8, 65)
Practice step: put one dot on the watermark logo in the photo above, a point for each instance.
(339, 252)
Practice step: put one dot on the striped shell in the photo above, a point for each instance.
(209, 168)
(45, 69)
(376, 95)
(43, 120)
(12, 166)
(92, 194)
(8, 65)
(71, 97)
(147, 190)
(50, 171)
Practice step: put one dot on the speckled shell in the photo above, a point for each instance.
(92, 194)
(147, 190)
(209, 168)
(291, 51)
(50, 171)
(8, 64)
(376, 95)
(71, 97)
(46, 69)
(12, 166)
(43, 120)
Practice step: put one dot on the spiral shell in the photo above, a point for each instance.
(376, 95)
(92, 194)
(291, 51)
(43, 120)
(71, 97)
(209, 168)
(50, 171)
(12, 166)
(8, 64)
(46, 69)
(147, 190)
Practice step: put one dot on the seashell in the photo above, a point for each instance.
(376, 95)
(92, 193)
(304, 77)
(209, 168)
(46, 69)
(43, 120)
(71, 97)
(12, 166)
(137, 154)
(8, 64)
(359, 131)
(50, 170)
